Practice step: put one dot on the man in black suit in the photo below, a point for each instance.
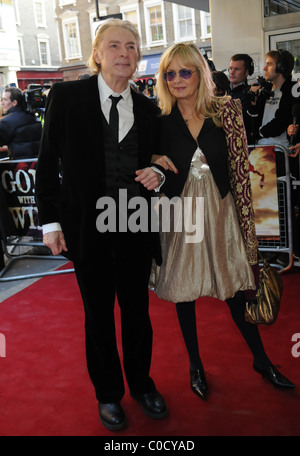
(99, 164)
(20, 131)
(241, 66)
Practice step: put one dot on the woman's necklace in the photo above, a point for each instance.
(190, 116)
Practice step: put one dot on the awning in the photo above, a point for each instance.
(37, 77)
(149, 65)
(39, 74)
(202, 5)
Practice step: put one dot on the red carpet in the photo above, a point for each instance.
(45, 389)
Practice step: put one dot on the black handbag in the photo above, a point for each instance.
(264, 309)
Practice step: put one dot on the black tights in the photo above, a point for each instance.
(187, 320)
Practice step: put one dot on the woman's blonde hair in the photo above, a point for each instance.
(92, 64)
(191, 56)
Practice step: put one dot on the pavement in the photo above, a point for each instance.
(25, 269)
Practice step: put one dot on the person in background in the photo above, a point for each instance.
(206, 157)
(271, 112)
(3, 149)
(20, 131)
(222, 84)
(272, 109)
(84, 76)
(294, 151)
(103, 133)
(240, 68)
(293, 129)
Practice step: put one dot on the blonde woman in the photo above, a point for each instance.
(205, 156)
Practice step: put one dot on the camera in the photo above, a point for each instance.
(265, 91)
(34, 97)
(266, 87)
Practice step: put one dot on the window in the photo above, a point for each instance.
(156, 28)
(39, 13)
(21, 51)
(71, 39)
(155, 24)
(205, 25)
(44, 52)
(17, 11)
(184, 23)
(274, 7)
(131, 14)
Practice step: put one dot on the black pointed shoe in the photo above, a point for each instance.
(198, 383)
(275, 377)
(152, 404)
(112, 416)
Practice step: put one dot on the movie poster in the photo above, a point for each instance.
(264, 190)
(18, 188)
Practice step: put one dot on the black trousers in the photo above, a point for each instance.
(120, 268)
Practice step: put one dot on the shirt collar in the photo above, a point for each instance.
(240, 84)
(105, 91)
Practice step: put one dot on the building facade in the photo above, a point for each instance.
(9, 52)
(38, 42)
(29, 44)
(50, 40)
(159, 23)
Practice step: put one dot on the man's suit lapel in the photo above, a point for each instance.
(93, 120)
(141, 118)
(92, 105)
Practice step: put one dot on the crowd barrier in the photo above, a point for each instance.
(272, 200)
(19, 228)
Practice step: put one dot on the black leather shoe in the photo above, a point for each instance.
(275, 377)
(112, 416)
(153, 404)
(198, 383)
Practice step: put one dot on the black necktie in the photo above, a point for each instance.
(114, 115)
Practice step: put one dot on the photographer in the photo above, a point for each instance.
(241, 66)
(20, 131)
(272, 108)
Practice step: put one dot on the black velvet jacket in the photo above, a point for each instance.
(73, 142)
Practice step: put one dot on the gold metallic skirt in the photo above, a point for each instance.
(212, 261)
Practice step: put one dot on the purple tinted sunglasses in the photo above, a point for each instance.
(184, 74)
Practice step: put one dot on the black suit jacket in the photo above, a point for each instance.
(73, 142)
